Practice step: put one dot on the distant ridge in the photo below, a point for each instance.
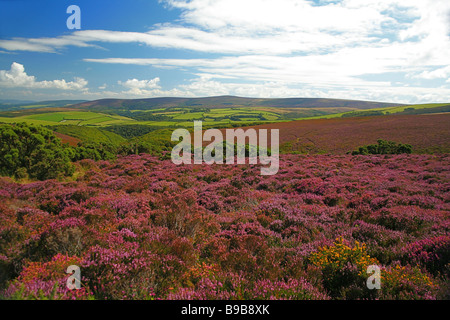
(226, 102)
(21, 104)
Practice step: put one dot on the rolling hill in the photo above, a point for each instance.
(7, 105)
(226, 102)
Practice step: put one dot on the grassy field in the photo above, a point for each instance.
(172, 118)
(69, 118)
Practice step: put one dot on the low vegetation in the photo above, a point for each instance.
(142, 228)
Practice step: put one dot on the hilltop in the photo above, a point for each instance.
(226, 102)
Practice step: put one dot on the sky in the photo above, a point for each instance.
(377, 50)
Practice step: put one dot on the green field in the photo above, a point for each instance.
(68, 118)
(121, 121)
(233, 114)
(172, 118)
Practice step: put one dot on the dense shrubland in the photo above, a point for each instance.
(141, 228)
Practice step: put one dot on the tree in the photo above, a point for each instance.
(32, 151)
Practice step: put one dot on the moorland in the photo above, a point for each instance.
(91, 183)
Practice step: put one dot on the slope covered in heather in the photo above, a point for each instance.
(141, 228)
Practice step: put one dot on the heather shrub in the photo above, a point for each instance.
(433, 254)
(68, 240)
(292, 289)
(180, 213)
(46, 281)
(383, 244)
(142, 228)
(125, 272)
(220, 286)
(410, 219)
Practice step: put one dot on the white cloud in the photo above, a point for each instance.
(287, 15)
(282, 27)
(141, 84)
(207, 86)
(176, 37)
(268, 27)
(141, 87)
(341, 68)
(291, 46)
(440, 73)
(16, 77)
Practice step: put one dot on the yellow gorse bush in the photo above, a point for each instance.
(345, 267)
(400, 275)
(341, 254)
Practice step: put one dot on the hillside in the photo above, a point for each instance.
(226, 102)
(72, 141)
(23, 104)
(226, 232)
(426, 133)
(87, 134)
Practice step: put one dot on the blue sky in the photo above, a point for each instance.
(380, 50)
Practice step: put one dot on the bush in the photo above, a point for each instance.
(384, 147)
(407, 283)
(46, 281)
(344, 269)
(94, 151)
(344, 275)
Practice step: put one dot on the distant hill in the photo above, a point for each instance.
(58, 103)
(14, 102)
(225, 102)
(10, 105)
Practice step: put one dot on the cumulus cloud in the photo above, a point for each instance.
(141, 87)
(141, 84)
(207, 85)
(16, 77)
